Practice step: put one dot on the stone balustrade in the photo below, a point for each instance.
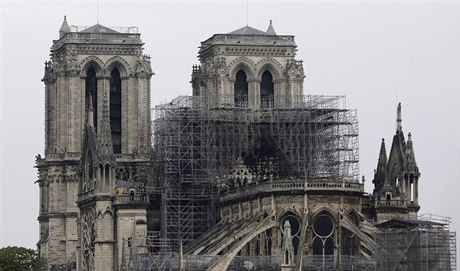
(124, 199)
(291, 186)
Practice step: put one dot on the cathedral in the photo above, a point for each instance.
(247, 173)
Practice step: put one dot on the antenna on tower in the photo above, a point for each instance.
(247, 12)
(97, 11)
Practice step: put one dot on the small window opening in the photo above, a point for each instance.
(241, 89)
(267, 90)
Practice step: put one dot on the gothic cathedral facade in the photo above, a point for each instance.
(294, 191)
(97, 133)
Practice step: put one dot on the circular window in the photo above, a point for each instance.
(323, 225)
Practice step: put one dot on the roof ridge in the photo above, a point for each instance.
(248, 30)
(98, 28)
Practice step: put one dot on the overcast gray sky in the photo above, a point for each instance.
(374, 52)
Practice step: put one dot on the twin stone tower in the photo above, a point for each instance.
(246, 155)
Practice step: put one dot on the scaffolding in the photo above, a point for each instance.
(421, 245)
(196, 148)
(184, 160)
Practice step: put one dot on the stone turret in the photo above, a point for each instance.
(64, 28)
(396, 179)
(271, 29)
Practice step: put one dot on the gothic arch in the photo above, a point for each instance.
(119, 63)
(91, 62)
(271, 65)
(323, 232)
(244, 64)
(325, 210)
(289, 211)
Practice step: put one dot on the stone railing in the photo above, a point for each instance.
(390, 203)
(127, 199)
(80, 35)
(63, 156)
(236, 37)
(290, 186)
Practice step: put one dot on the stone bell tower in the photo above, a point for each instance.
(249, 68)
(105, 69)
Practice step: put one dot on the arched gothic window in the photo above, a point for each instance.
(267, 90)
(91, 93)
(115, 110)
(323, 235)
(241, 89)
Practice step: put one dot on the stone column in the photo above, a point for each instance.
(143, 111)
(254, 93)
(51, 121)
(131, 113)
(124, 113)
(101, 95)
(72, 105)
(82, 109)
(64, 114)
(231, 92)
(279, 99)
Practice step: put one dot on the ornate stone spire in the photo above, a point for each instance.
(398, 118)
(410, 156)
(382, 163)
(64, 28)
(271, 30)
(380, 173)
(104, 138)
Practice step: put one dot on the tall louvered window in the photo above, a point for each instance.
(267, 90)
(91, 93)
(115, 110)
(241, 89)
